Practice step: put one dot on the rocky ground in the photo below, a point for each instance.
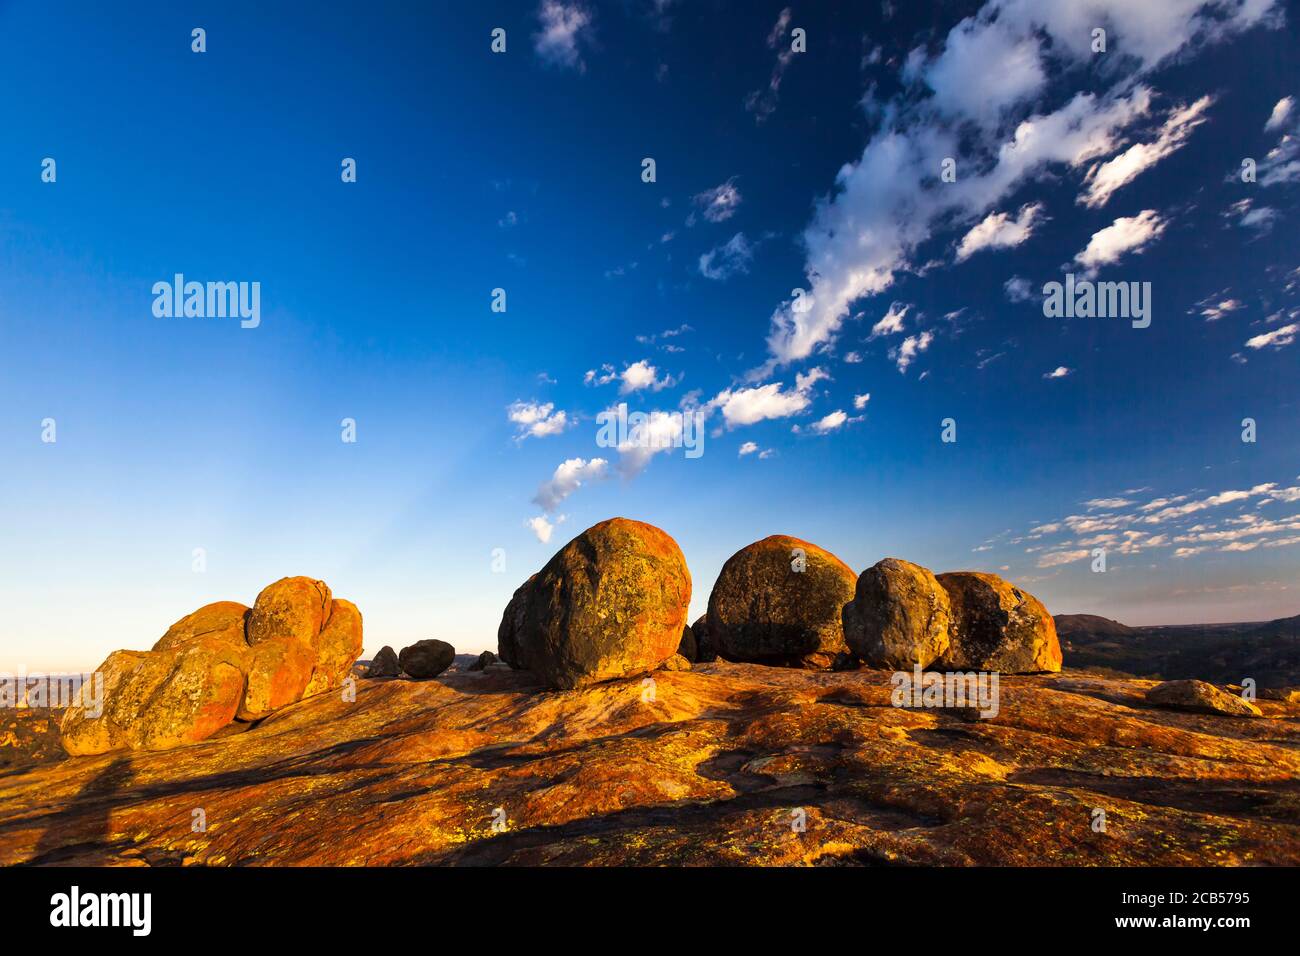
(715, 769)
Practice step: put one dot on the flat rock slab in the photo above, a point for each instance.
(708, 766)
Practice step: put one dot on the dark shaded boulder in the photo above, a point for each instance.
(846, 662)
(385, 664)
(687, 648)
(483, 660)
(425, 659)
(1199, 697)
(611, 603)
(705, 650)
(512, 622)
(899, 616)
(779, 601)
(996, 626)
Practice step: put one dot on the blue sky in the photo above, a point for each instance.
(774, 170)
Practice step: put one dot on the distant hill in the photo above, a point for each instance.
(1283, 627)
(1068, 625)
(1221, 653)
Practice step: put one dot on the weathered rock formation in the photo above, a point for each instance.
(611, 603)
(222, 663)
(779, 601)
(997, 627)
(899, 616)
(707, 771)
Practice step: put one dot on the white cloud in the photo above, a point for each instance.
(569, 476)
(1281, 113)
(719, 203)
(1018, 289)
(745, 406)
(748, 448)
(853, 358)
(731, 258)
(634, 377)
(912, 346)
(1059, 372)
(762, 102)
(541, 527)
(891, 322)
(1109, 504)
(999, 231)
(830, 422)
(860, 401)
(1215, 311)
(641, 375)
(1103, 179)
(1124, 235)
(563, 27)
(536, 420)
(1275, 339)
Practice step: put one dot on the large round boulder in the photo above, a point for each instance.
(425, 659)
(295, 607)
(779, 601)
(899, 616)
(611, 603)
(997, 627)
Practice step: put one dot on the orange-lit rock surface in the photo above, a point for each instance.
(705, 766)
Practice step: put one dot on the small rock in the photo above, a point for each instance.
(1199, 697)
(385, 664)
(425, 659)
(484, 659)
(677, 663)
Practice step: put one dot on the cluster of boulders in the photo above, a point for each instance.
(224, 663)
(613, 603)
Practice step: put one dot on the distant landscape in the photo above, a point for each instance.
(1267, 651)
